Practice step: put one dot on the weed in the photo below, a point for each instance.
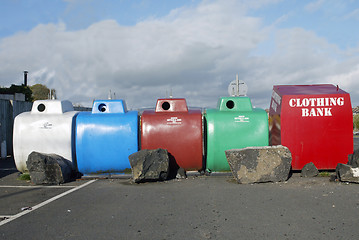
(324, 174)
(24, 177)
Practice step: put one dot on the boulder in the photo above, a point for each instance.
(309, 170)
(181, 173)
(347, 173)
(150, 165)
(49, 169)
(353, 159)
(260, 164)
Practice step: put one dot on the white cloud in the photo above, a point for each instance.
(347, 80)
(195, 51)
(353, 14)
(314, 6)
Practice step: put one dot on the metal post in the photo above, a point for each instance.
(237, 83)
(25, 78)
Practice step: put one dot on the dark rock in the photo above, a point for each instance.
(173, 167)
(346, 173)
(181, 173)
(260, 164)
(309, 170)
(333, 178)
(49, 169)
(150, 165)
(353, 159)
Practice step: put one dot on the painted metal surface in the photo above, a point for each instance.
(106, 137)
(48, 128)
(314, 121)
(174, 127)
(233, 125)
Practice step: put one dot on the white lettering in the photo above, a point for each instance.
(340, 101)
(305, 112)
(298, 103)
(320, 112)
(316, 112)
(312, 101)
(320, 106)
(305, 102)
(327, 112)
(241, 119)
(174, 121)
(333, 102)
(312, 112)
(326, 101)
(320, 102)
(291, 102)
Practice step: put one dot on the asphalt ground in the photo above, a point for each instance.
(199, 207)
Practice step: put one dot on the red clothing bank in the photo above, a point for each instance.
(314, 121)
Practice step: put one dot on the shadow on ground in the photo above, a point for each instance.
(7, 167)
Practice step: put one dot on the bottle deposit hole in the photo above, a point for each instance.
(166, 105)
(102, 107)
(41, 107)
(230, 104)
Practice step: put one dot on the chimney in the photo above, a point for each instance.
(25, 78)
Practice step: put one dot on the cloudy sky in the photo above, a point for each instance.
(142, 50)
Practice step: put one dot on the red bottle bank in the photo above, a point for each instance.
(173, 127)
(314, 121)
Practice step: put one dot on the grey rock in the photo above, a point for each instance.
(346, 173)
(260, 164)
(149, 165)
(49, 169)
(309, 170)
(181, 173)
(353, 159)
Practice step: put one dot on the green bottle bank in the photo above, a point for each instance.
(233, 125)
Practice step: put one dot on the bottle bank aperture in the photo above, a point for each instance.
(314, 121)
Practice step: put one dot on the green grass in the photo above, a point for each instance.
(24, 177)
(324, 174)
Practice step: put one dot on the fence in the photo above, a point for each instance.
(8, 111)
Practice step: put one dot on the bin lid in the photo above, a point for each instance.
(308, 89)
(171, 105)
(51, 107)
(234, 104)
(109, 106)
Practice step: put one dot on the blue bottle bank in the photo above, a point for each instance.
(106, 137)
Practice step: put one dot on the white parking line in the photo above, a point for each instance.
(37, 186)
(44, 203)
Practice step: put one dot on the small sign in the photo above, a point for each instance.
(174, 121)
(46, 125)
(241, 119)
(237, 88)
(316, 107)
